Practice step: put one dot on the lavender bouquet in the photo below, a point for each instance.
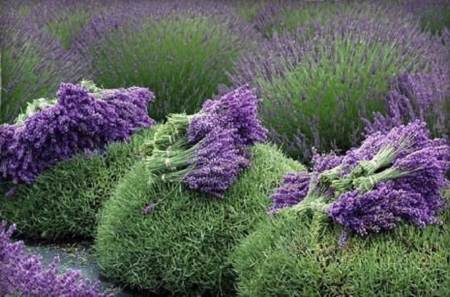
(208, 150)
(393, 177)
(82, 118)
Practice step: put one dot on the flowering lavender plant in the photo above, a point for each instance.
(319, 81)
(181, 50)
(378, 185)
(33, 63)
(22, 274)
(77, 122)
(208, 150)
(417, 96)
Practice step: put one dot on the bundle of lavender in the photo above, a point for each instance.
(208, 150)
(82, 118)
(392, 177)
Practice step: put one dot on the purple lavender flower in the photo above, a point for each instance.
(217, 163)
(76, 123)
(294, 190)
(23, 274)
(223, 129)
(416, 97)
(238, 110)
(148, 209)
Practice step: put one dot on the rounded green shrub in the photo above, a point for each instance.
(181, 247)
(282, 257)
(181, 51)
(318, 83)
(63, 201)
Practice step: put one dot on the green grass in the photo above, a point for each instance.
(181, 247)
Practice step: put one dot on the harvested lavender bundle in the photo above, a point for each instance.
(76, 122)
(377, 185)
(208, 150)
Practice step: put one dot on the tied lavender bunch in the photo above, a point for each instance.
(77, 121)
(22, 274)
(393, 177)
(208, 150)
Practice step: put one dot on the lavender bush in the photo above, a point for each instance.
(416, 97)
(22, 274)
(187, 258)
(181, 50)
(317, 86)
(63, 201)
(434, 15)
(374, 188)
(77, 122)
(33, 63)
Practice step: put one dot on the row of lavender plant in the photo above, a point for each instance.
(33, 62)
(318, 82)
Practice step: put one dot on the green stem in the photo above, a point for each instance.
(367, 183)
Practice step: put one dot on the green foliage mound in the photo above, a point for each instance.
(283, 257)
(63, 202)
(181, 246)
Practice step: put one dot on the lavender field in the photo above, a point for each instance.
(224, 148)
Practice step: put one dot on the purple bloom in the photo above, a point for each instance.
(224, 129)
(416, 97)
(78, 122)
(237, 110)
(294, 190)
(217, 163)
(148, 209)
(380, 209)
(23, 274)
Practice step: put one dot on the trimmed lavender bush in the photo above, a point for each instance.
(317, 86)
(181, 50)
(282, 257)
(22, 274)
(78, 122)
(187, 258)
(403, 181)
(33, 63)
(63, 202)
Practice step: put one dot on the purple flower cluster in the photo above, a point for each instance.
(295, 188)
(416, 97)
(218, 162)
(223, 128)
(380, 209)
(415, 197)
(78, 122)
(22, 274)
(405, 185)
(238, 110)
